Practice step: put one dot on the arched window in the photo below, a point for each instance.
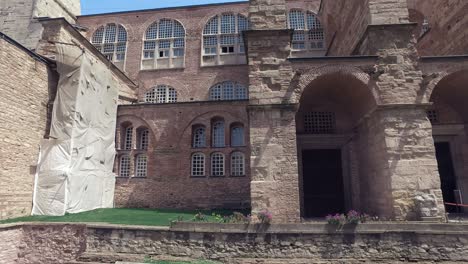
(222, 40)
(198, 164)
(228, 91)
(141, 166)
(237, 164)
(217, 164)
(161, 94)
(128, 138)
(218, 134)
(308, 32)
(199, 137)
(237, 136)
(164, 45)
(111, 40)
(124, 170)
(143, 138)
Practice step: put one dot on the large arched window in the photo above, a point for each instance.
(164, 45)
(198, 165)
(218, 134)
(228, 91)
(141, 165)
(222, 40)
(124, 170)
(111, 40)
(217, 164)
(161, 94)
(237, 164)
(199, 137)
(237, 136)
(308, 32)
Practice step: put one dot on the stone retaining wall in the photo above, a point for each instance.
(373, 242)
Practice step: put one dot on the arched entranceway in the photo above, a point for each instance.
(449, 118)
(332, 107)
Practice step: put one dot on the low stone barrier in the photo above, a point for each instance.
(230, 243)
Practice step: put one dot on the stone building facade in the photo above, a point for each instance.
(350, 105)
(300, 107)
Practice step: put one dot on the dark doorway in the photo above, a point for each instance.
(447, 174)
(323, 182)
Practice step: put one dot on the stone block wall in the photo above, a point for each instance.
(10, 239)
(24, 85)
(447, 22)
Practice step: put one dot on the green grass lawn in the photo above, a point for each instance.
(124, 216)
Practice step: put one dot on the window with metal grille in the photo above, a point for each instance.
(128, 138)
(237, 136)
(433, 116)
(111, 40)
(166, 39)
(218, 134)
(308, 31)
(198, 164)
(237, 164)
(319, 123)
(141, 166)
(217, 164)
(228, 91)
(222, 35)
(425, 27)
(144, 139)
(161, 94)
(199, 137)
(124, 170)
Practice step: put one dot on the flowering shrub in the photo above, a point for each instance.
(264, 216)
(353, 217)
(337, 219)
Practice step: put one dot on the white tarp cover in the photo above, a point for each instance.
(75, 165)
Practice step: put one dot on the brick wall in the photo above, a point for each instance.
(24, 84)
(169, 183)
(447, 21)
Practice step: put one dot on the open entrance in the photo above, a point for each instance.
(332, 109)
(449, 118)
(447, 175)
(323, 182)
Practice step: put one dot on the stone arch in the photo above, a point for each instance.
(137, 122)
(306, 78)
(437, 78)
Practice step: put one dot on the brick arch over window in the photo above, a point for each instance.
(309, 76)
(137, 122)
(164, 45)
(111, 40)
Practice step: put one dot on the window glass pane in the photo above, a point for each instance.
(124, 166)
(98, 36)
(179, 43)
(319, 122)
(211, 27)
(313, 22)
(122, 37)
(164, 44)
(241, 92)
(217, 164)
(237, 164)
(150, 45)
(179, 31)
(144, 139)
(237, 137)
(242, 23)
(228, 40)
(178, 52)
(228, 90)
(172, 95)
(128, 138)
(218, 134)
(296, 19)
(161, 92)
(198, 164)
(111, 31)
(152, 32)
(228, 24)
(199, 138)
(165, 28)
(141, 166)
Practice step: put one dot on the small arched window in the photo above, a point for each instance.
(143, 138)
(308, 31)
(199, 137)
(198, 164)
(237, 164)
(164, 45)
(111, 40)
(217, 164)
(161, 94)
(124, 170)
(237, 136)
(128, 138)
(141, 166)
(222, 40)
(228, 91)
(218, 134)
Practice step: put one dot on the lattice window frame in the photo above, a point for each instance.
(124, 166)
(218, 134)
(141, 166)
(227, 91)
(161, 94)
(320, 122)
(237, 164)
(222, 39)
(160, 45)
(143, 141)
(218, 164)
(128, 138)
(199, 137)
(237, 136)
(197, 167)
(111, 40)
(308, 33)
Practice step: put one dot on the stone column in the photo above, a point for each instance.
(274, 168)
